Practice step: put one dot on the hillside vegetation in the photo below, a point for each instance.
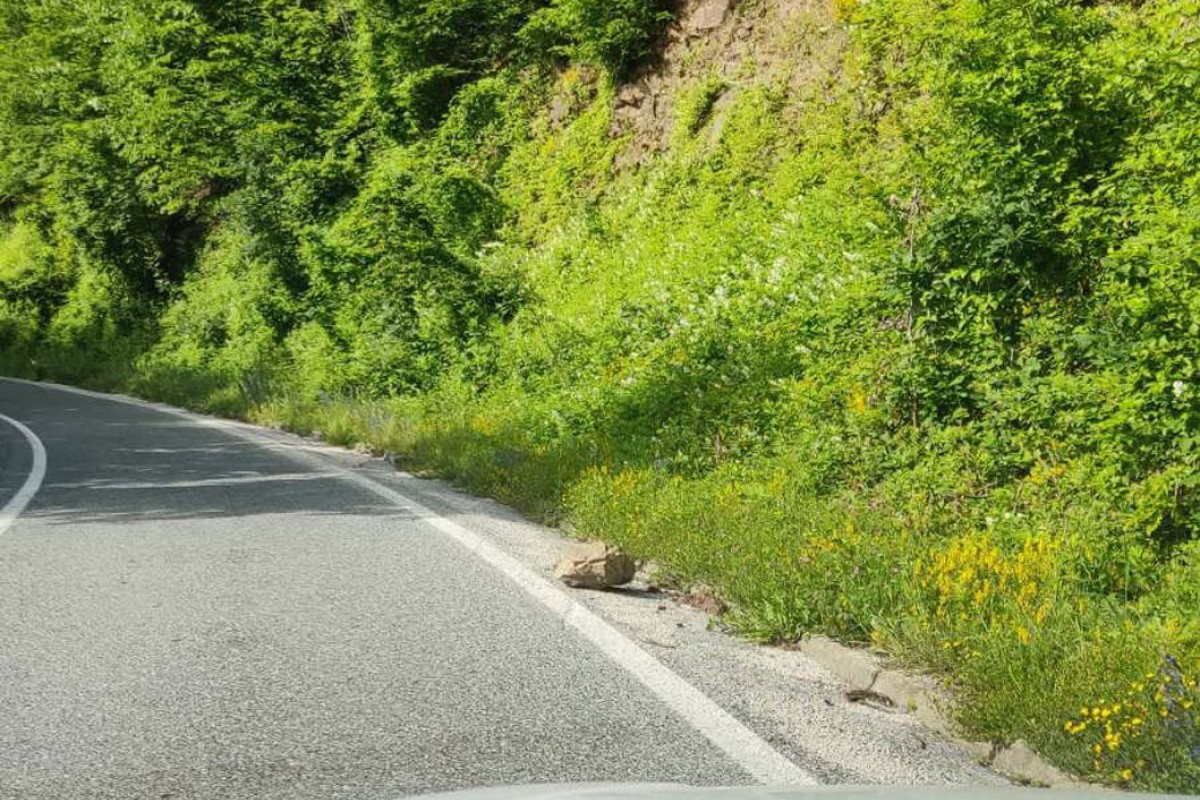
(896, 337)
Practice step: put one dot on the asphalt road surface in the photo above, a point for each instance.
(185, 613)
(190, 609)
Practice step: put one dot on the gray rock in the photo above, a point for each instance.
(631, 95)
(708, 15)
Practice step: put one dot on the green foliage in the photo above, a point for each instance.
(22, 268)
(414, 55)
(607, 33)
(693, 109)
(902, 350)
(218, 345)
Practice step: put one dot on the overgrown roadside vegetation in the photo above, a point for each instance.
(902, 347)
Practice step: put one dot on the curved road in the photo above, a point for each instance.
(186, 612)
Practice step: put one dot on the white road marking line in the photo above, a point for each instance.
(749, 750)
(33, 481)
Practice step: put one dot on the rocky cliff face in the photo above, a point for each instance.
(728, 46)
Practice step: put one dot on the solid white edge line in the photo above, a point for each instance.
(33, 481)
(745, 747)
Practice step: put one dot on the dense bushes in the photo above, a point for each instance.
(607, 33)
(903, 351)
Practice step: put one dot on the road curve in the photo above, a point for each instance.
(188, 613)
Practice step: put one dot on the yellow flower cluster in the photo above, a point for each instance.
(1111, 722)
(622, 483)
(973, 577)
(858, 402)
(1150, 707)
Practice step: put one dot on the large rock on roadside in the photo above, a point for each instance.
(594, 565)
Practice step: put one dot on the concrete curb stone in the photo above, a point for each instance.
(918, 695)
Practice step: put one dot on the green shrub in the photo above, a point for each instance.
(607, 33)
(693, 109)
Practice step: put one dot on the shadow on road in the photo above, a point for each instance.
(154, 469)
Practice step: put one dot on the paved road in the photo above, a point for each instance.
(185, 613)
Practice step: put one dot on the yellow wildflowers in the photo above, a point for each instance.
(1117, 731)
(973, 577)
